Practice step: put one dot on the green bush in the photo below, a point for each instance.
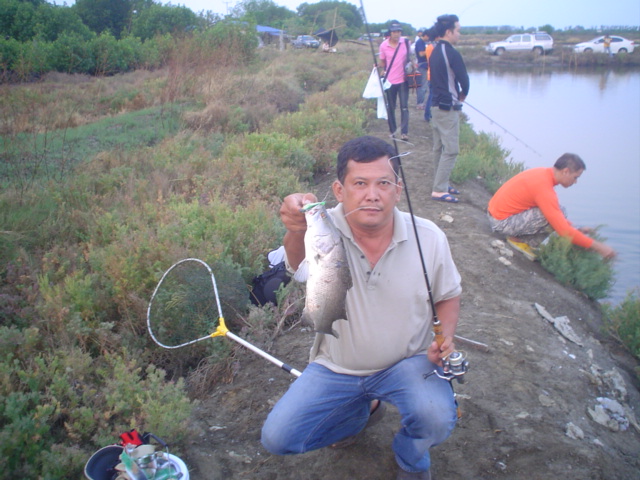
(576, 267)
(33, 59)
(623, 321)
(482, 156)
(49, 399)
(72, 54)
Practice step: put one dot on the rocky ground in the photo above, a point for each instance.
(531, 404)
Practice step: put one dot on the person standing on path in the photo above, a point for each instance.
(450, 85)
(431, 38)
(394, 54)
(423, 65)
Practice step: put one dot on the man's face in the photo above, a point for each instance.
(395, 35)
(452, 36)
(569, 177)
(369, 193)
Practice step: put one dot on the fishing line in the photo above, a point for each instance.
(185, 309)
(506, 131)
(455, 360)
(437, 326)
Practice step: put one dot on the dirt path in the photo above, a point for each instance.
(520, 396)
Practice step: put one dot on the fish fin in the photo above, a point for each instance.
(302, 274)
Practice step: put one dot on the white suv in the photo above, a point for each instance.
(538, 42)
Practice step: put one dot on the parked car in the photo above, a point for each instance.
(618, 44)
(538, 42)
(306, 41)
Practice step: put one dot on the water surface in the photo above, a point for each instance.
(541, 115)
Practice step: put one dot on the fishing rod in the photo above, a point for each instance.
(455, 365)
(506, 131)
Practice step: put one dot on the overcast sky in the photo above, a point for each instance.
(517, 13)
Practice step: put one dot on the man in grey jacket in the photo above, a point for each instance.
(450, 86)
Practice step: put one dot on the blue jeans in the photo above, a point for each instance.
(322, 407)
(427, 108)
(421, 93)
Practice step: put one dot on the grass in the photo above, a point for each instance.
(114, 179)
(51, 154)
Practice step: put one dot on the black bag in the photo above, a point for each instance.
(265, 285)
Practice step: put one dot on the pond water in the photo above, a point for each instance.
(541, 115)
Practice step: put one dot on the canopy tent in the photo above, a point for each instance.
(328, 36)
(269, 30)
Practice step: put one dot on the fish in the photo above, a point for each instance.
(325, 268)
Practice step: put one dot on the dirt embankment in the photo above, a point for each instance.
(530, 401)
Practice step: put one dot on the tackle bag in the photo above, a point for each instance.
(265, 285)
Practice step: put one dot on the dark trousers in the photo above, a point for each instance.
(399, 90)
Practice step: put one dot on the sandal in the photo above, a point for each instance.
(453, 191)
(446, 198)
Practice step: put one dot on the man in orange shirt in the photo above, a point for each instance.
(527, 204)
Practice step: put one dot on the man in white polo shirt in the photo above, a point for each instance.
(385, 346)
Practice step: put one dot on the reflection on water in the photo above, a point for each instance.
(593, 114)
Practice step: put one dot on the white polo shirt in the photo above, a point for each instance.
(388, 310)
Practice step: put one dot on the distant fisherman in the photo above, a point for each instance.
(386, 346)
(450, 87)
(527, 205)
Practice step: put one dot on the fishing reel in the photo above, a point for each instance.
(453, 367)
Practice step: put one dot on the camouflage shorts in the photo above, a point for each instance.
(529, 222)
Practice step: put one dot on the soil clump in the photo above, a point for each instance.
(530, 403)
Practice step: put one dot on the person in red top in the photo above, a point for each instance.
(527, 204)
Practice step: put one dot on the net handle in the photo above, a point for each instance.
(221, 330)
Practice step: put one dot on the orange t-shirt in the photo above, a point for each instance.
(535, 188)
(427, 52)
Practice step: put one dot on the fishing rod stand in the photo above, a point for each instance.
(453, 367)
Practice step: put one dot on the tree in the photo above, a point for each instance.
(323, 14)
(161, 19)
(52, 21)
(547, 28)
(263, 12)
(101, 15)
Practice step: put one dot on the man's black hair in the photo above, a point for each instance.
(571, 161)
(444, 23)
(364, 150)
(431, 33)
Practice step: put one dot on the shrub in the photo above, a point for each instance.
(623, 322)
(576, 267)
(65, 395)
(482, 156)
(323, 131)
(72, 54)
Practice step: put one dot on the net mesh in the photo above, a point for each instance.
(183, 307)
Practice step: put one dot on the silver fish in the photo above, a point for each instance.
(326, 271)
